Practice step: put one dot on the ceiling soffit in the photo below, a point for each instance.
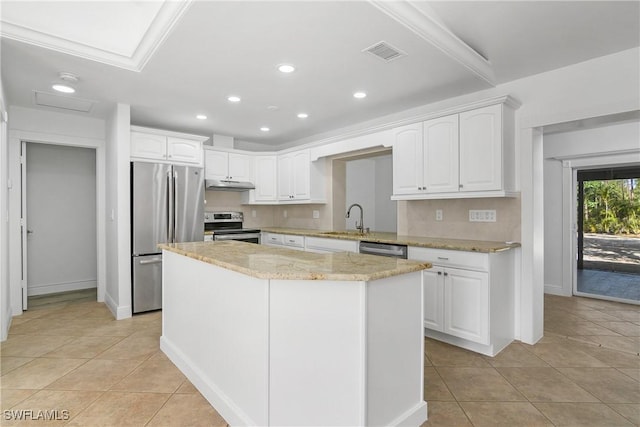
(425, 23)
(121, 48)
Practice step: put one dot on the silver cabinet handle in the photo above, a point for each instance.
(443, 258)
(29, 231)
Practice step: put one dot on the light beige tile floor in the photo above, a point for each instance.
(67, 353)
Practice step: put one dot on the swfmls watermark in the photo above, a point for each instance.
(35, 415)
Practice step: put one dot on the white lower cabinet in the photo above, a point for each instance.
(283, 240)
(322, 245)
(468, 298)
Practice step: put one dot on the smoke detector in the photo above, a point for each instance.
(65, 83)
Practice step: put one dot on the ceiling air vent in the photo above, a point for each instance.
(385, 51)
(63, 102)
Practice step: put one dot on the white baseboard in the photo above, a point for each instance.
(6, 324)
(51, 288)
(119, 312)
(556, 290)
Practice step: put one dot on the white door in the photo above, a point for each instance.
(59, 189)
(24, 231)
(433, 282)
(466, 304)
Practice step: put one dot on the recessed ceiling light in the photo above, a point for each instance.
(286, 68)
(302, 115)
(201, 117)
(273, 108)
(63, 88)
(360, 95)
(265, 129)
(233, 98)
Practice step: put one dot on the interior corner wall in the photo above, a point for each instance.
(118, 244)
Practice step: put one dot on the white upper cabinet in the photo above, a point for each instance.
(408, 159)
(228, 165)
(467, 154)
(481, 149)
(156, 145)
(441, 155)
(265, 173)
(293, 176)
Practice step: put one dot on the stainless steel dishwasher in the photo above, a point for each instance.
(383, 249)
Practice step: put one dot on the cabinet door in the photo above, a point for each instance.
(481, 149)
(148, 146)
(407, 159)
(240, 167)
(300, 175)
(441, 155)
(433, 284)
(466, 304)
(265, 178)
(216, 164)
(285, 168)
(184, 150)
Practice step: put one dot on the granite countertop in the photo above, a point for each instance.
(485, 246)
(266, 262)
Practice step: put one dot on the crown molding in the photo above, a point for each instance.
(428, 26)
(158, 30)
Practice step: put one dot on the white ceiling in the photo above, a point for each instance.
(173, 60)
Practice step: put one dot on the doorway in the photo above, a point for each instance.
(59, 209)
(608, 233)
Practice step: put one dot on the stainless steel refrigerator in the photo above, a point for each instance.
(167, 206)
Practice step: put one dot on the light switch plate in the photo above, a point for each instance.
(284, 213)
(316, 214)
(438, 214)
(253, 213)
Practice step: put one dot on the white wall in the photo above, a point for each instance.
(117, 211)
(563, 152)
(5, 302)
(369, 183)
(50, 127)
(61, 212)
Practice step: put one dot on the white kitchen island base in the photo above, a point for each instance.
(297, 352)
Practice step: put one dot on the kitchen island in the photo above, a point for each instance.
(273, 336)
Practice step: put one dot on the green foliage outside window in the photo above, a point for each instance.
(612, 206)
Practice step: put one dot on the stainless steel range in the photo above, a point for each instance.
(228, 226)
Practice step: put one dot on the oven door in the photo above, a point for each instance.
(242, 237)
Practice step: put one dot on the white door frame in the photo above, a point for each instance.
(570, 214)
(16, 137)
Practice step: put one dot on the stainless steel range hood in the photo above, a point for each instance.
(228, 185)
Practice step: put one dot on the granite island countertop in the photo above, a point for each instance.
(485, 246)
(266, 262)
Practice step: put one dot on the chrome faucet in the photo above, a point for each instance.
(361, 226)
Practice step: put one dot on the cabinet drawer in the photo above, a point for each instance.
(295, 241)
(449, 258)
(272, 239)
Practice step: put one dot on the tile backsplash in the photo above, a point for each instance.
(418, 218)
(415, 217)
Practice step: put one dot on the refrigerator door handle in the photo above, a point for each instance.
(170, 208)
(150, 261)
(175, 205)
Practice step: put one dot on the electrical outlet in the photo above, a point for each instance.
(316, 214)
(488, 215)
(253, 213)
(438, 214)
(284, 213)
